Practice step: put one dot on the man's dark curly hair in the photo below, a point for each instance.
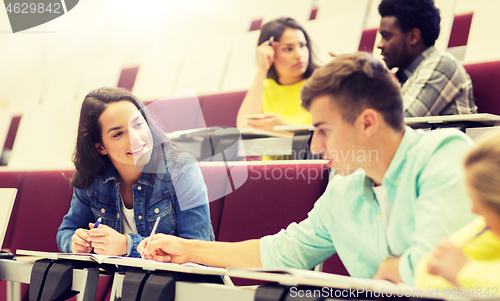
(421, 14)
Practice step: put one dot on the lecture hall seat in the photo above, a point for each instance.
(216, 179)
(460, 30)
(11, 135)
(221, 109)
(127, 78)
(367, 42)
(274, 196)
(176, 114)
(485, 82)
(44, 199)
(11, 179)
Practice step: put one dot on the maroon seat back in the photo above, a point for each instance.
(11, 134)
(176, 114)
(221, 109)
(127, 78)
(485, 79)
(460, 30)
(367, 42)
(11, 179)
(272, 197)
(44, 199)
(216, 179)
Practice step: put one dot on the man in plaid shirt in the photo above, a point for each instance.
(433, 82)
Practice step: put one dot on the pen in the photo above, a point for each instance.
(271, 39)
(99, 220)
(152, 233)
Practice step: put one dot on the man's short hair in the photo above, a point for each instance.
(421, 14)
(357, 81)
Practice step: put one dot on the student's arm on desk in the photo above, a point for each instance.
(168, 248)
(389, 270)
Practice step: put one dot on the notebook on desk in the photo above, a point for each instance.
(7, 197)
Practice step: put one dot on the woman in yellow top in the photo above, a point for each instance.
(284, 62)
(468, 264)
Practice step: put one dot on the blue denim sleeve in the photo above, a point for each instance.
(78, 216)
(193, 212)
(133, 240)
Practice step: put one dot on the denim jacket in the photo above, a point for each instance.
(184, 209)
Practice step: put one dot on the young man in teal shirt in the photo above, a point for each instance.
(396, 191)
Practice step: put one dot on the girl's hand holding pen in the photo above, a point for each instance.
(265, 54)
(80, 242)
(107, 241)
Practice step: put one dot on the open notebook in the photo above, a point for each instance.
(191, 268)
(7, 197)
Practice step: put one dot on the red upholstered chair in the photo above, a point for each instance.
(367, 42)
(255, 24)
(11, 135)
(216, 179)
(175, 114)
(485, 80)
(11, 179)
(44, 199)
(460, 30)
(127, 78)
(273, 196)
(221, 109)
(314, 12)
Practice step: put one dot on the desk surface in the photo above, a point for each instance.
(20, 271)
(483, 118)
(246, 133)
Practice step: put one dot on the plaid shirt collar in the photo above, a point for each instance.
(403, 75)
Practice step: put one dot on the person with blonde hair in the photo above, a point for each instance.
(470, 259)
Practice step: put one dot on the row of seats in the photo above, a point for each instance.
(485, 78)
(161, 73)
(273, 196)
(221, 110)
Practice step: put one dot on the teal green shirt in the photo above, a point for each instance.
(425, 185)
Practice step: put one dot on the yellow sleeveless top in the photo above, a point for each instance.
(285, 101)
